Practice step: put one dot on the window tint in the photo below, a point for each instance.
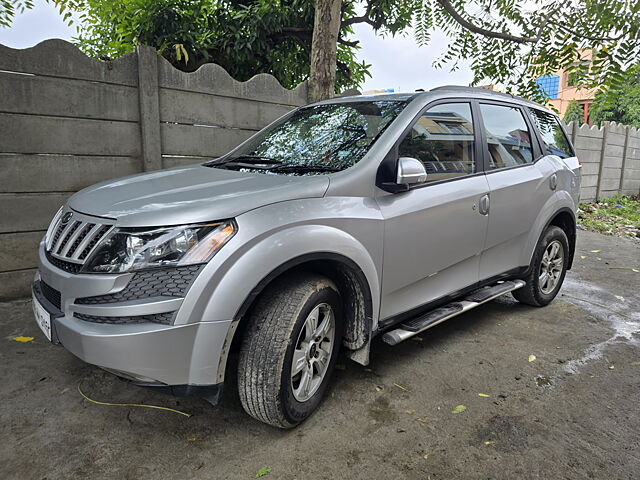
(442, 139)
(508, 137)
(554, 140)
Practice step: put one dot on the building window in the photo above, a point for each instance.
(549, 84)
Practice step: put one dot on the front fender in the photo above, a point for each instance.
(259, 248)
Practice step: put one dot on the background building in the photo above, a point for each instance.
(561, 88)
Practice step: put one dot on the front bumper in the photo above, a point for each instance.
(184, 358)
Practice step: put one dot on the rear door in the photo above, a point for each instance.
(519, 182)
(434, 233)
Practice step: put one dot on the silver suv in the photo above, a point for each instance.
(341, 221)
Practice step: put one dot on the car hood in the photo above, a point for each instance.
(190, 195)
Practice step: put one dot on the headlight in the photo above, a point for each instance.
(129, 249)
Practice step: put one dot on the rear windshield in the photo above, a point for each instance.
(315, 139)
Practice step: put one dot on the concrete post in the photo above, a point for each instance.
(625, 154)
(149, 108)
(603, 149)
(574, 132)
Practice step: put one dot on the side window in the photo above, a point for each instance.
(554, 140)
(508, 137)
(442, 139)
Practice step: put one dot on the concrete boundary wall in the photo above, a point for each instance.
(68, 121)
(610, 157)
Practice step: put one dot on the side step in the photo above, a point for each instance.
(412, 327)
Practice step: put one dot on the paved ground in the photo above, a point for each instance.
(571, 413)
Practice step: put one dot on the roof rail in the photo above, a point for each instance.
(462, 88)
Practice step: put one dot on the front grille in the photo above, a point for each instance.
(63, 265)
(169, 282)
(73, 241)
(51, 294)
(163, 318)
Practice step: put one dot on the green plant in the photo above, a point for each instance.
(618, 215)
(9, 8)
(574, 113)
(513, 43)
(620, 104)
(246, 37)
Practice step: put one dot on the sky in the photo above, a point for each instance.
(396, 62)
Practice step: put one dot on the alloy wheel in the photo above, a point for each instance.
(551, 267)
(313, 351)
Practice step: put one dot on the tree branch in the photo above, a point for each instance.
(348, 43)
(363, 18)
(446, 4)
(586, 37)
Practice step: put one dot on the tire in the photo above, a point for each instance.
(537, 292)
(278, 328)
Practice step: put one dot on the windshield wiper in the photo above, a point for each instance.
(245, 159)
(257, 162)
(304, 168)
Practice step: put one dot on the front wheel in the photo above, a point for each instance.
(290, 349)
(548, 268)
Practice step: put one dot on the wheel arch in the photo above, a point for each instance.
(348, 277)
(565, 219)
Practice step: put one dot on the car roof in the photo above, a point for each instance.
(446, 91)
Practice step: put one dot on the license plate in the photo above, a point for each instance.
(42, 317)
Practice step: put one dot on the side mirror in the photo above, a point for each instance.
(410, 171)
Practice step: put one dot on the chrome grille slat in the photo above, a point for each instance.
(69, 231)
(85, 241)
(58, 241)
(72, 239)
(106, 229)
(54, 238)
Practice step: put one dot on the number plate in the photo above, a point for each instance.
(42, 317)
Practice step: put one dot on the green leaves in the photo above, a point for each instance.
(263, 472)
(621, 102)
(246, 38)
(9, 8)
(549, 35)
(574, 113)
(181, 53)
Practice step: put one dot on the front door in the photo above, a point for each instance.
(435, 232)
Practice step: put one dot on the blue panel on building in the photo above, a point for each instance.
(549, 84)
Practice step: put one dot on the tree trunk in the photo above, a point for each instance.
(324, 47)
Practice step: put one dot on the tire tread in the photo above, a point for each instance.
(265, 344)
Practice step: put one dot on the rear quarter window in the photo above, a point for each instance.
(554, 140)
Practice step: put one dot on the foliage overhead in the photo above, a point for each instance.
(620, 104)
(9, 8)
(574, 113)
(246, 37)
(512, 43)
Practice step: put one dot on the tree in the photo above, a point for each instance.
(621, 104)
(506, 42)
(513, 43)
(9, 8)
(574, 113)
(246, 37)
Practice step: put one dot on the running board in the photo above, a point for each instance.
(419, 324)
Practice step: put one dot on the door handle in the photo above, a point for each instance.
(553, 182)
(484, 205)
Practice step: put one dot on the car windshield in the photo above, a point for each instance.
(315, 140)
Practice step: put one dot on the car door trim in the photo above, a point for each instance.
(536, 149)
